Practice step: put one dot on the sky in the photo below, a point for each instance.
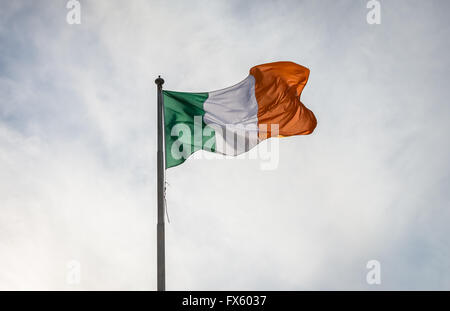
(78, 147)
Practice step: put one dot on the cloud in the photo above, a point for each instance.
(77, 143)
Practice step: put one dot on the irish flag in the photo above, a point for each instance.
(233, 120)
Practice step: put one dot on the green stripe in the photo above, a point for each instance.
(179, 112)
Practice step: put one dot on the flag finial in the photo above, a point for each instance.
(159, 80)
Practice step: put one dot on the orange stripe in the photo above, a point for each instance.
(278, 87)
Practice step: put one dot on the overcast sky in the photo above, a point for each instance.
(78, 147)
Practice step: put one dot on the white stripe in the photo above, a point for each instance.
(233, 112)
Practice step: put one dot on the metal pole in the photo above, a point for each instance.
(161, 265)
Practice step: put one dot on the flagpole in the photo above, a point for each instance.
(161, 265)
